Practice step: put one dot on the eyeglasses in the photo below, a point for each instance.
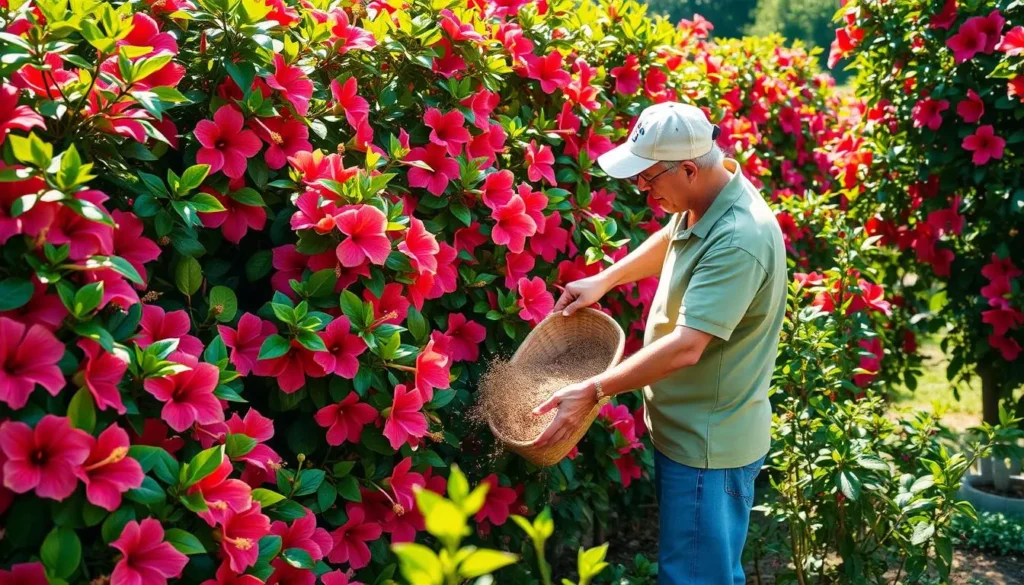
(638, 176)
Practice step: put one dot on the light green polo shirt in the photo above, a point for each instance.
(726, 276)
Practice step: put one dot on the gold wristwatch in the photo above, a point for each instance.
(598, 391)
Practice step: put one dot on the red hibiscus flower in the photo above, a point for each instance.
(518, 266)
(497, 504)
(292, 368)
(131, 245)
(392, 306)
(240, 536)
(347, 37)
(432, 369)
(1013, 42)
(551, 238)
(946, 17)
(985, 145)
(539, 161)
(447, 130)
(1003, 320)
(627, 76)
(1008, 348)
(346, 97)
(421, 247)
(24, 573)
(628, 469)
(403, 483)
(304, 534)
(465, 338)
(870, 361)
(343, 349)
(285, 137)
(225, 145)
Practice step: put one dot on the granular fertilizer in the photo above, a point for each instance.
(510, 391)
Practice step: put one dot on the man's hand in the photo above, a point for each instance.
(579, 294)
(574, 403)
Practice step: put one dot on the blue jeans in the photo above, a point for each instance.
(704, 518)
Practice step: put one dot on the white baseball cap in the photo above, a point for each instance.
(665, 131)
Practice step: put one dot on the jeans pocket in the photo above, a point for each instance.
(739, 481)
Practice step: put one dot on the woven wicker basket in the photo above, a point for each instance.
(554, 336)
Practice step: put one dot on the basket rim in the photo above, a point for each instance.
(620, 348)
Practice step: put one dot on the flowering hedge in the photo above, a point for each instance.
(255, 254)
(945, 81)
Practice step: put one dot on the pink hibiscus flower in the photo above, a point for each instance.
(245, 342)
(497, 189)
(518, 266)
(447, 130)
(346, 37)
(226, 576)
(985, 145)
(188, 397)
(225, 145)
(44, 459)
(443, 168)
(405, 420)
(240, 536)
(535, 301)
(446, 279)
(432, 369)
(421, 247)
(497, 504)
(551, 238)
(513, 225)
(108, 472)
(258, 427)
(465, 338)
(85, 236)
(403, 482)
(539, 161)
(345, 421)
(131, 245)
(392, 306)
(102, 372)
(147, 558)
(293, 84)
(236, 219)
(13, 116)
(285, 137)
(28, 356)
(928, 113)
(548, 71)
(222, 494)
(1003, 320)
(365, 226)
(627, 76)
(350, 540)
(24, 573)
(1008, 348)
(971, 109)
(158, 325)
(1013, 42)
(31, 222)
(343, 349)
(292, 368)
(304, 534)
(346, 97)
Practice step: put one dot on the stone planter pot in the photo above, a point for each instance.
(987, 502)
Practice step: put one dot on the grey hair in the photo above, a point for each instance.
(711, 159)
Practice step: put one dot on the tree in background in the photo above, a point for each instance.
(808, 21)
(730, 17)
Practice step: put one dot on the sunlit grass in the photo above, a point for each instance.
(934, 389)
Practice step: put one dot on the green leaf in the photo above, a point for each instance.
(204, 463)
(310, 340)
(352, 307)
(309, 481)
(259, 265)
(266, 497)
(922, 532)
(298, 558)
(87, 299)
(258, 171)
(849, 484)
(270, 545)
(148, 493)
(89, 210)
(326, 495)
(195, 502)
(238, 445)
(273, 347)
(461, 212)
(163, 465)
(321, 283)
(113, 526)
(188, 275)
(442, 517)
(82, 410)
(206, 203)
(348, 488)
(872, 462)
(223, 304)
(184, 542)
(61, 552)
(485, 561)
(418, 564)
(192, 178)
(458, 486)
(249, 196)
(14, 293)
(146, 66)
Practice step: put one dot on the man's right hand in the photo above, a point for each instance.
(579, 294)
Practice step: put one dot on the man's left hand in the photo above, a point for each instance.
(573, 402)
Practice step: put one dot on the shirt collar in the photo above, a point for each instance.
(722, 203)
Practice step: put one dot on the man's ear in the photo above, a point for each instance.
(690, 168)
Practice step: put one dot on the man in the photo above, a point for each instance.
(710, 343)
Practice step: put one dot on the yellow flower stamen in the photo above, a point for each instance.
(116, 455)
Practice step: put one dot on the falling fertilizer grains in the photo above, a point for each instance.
(510, 391)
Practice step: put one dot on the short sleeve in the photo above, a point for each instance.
(720, 291)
